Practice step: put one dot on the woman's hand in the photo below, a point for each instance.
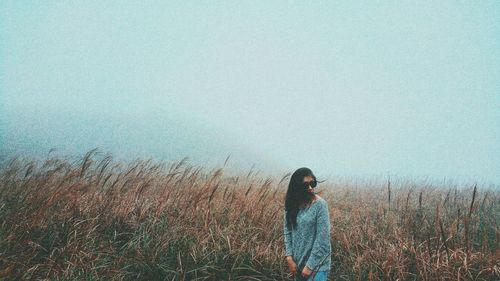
(292, 266)
(306, 272)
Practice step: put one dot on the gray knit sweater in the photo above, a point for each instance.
(309, 241)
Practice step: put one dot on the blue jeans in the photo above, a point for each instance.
(315, 276)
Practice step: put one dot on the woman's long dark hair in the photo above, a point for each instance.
(296, 195)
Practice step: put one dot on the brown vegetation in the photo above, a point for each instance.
(96, 219)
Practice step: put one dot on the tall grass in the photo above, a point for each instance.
(98, 219)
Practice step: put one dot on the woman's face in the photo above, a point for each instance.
(307, 180)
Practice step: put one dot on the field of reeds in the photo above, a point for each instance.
(95, 218)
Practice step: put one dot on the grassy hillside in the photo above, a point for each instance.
(96, 219)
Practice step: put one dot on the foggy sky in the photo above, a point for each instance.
(351, 89)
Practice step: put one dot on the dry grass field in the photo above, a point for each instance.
(98, 219)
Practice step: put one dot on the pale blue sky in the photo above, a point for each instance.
(345, 88)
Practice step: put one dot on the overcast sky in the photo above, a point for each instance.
(344, 87)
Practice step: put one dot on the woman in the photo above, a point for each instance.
(306, 229)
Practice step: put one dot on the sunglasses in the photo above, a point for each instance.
(312, 183)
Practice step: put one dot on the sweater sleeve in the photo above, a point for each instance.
(288, 237)
(321, 250)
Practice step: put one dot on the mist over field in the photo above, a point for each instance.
(127, 136)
